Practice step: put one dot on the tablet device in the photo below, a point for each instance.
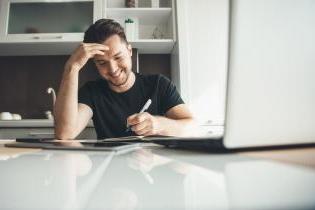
(93, 145)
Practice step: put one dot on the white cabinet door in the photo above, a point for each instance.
(35, 26)
(199, 60)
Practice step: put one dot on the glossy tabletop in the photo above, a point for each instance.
(151, 177)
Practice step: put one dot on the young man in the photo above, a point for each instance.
(114, 101)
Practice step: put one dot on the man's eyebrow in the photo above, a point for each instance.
(102, 60)
(117, 54)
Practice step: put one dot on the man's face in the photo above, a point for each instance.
(115, 65)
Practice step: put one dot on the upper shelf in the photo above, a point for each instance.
(146, 16)
(144, 46)
(153, 46)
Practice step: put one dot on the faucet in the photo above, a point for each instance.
(51, 91)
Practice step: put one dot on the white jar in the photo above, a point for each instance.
(16, 117)
(155, 3)
(6, 116)
(130, 30)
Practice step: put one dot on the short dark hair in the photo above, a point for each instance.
(102, 30)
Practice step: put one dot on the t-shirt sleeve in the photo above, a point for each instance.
(84, 96)
(169, 96)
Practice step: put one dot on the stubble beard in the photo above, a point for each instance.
(124, 82)
(127, 83)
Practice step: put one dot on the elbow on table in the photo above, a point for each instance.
(64, 134)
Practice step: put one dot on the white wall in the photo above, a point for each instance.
(201, 50)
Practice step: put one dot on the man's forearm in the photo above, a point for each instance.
(180, 127)
(66, 107)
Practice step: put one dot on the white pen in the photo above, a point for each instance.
(144, 108)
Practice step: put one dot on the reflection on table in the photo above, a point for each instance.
(151, 178)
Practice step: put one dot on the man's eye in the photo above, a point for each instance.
(102, 63)
(118, 58)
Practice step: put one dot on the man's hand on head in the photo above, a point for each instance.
(144, 124)
(83, 53)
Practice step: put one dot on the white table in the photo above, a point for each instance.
(155, 177)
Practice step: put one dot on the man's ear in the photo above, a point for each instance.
(129, 47)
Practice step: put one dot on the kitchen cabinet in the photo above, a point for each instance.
(40, 132)
(38, 27)
(36, 128)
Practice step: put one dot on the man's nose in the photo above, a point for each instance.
(112, 66)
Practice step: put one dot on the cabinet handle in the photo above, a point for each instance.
(37, 134)
(48, 37)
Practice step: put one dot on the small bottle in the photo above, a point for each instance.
(130, 29)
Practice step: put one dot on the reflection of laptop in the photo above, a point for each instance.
(271, 89)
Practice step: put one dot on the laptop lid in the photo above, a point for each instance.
(271, 88)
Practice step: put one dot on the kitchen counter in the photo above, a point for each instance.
(155, 177)
(36, 128)
(28, 123)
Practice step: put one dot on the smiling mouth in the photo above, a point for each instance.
(115, 82)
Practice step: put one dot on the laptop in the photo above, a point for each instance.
(270, 97)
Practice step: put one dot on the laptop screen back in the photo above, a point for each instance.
(271, 87)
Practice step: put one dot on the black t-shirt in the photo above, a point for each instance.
(111, 109)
